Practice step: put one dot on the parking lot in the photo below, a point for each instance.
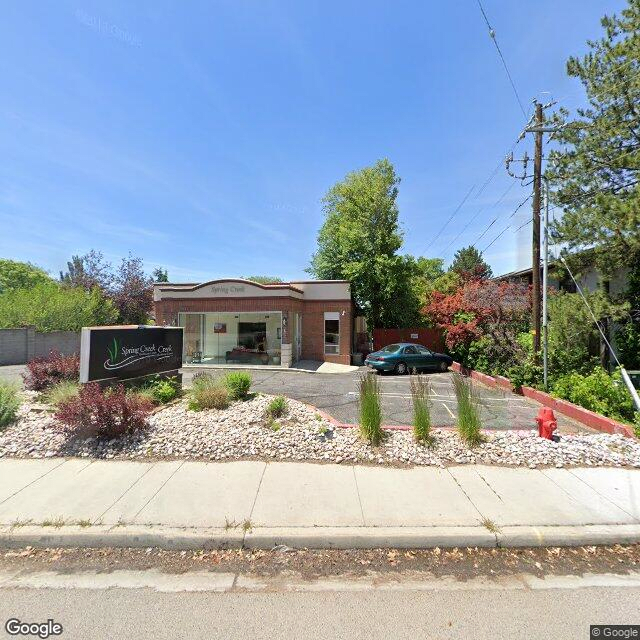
(337, 394)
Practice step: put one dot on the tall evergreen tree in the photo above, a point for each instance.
(469, 263)
(596, 176)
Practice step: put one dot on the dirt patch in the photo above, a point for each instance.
(462, 564)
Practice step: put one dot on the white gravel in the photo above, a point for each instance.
(242, 431)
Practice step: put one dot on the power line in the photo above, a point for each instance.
(466, 226)
(492, 34)
(444, 226)
(513, 213)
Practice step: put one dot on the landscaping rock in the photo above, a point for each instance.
(242, 431)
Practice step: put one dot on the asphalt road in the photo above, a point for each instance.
(502, 610)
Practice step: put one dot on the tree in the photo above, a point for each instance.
(132, 292)
(160, 275)
(88, 271)
(628, 334)
(359, 241)
(20, 275)
(51, 307)
(263, 279)
(496, 312)
(469, 263)
(596, 176)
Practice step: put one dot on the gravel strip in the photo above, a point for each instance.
(243, 432)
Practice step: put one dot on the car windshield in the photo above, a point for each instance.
(391, 348)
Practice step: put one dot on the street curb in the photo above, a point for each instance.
(101, 536)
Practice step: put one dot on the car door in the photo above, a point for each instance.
(426, 358)
(411, 357)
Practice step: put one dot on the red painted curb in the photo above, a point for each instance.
(586, 417)
(580, 414)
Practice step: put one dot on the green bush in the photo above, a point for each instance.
(277, 407)
(9, 403)
(469, 422)
(50, 307)
(599, 392)
(208, 393)
(61, 392)
(238, 384)
(370, 409)
(421, 410)
(164, 390)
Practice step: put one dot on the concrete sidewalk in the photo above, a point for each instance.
(184, 504)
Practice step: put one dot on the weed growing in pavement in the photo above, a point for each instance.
(469, 422)
(84, 523)
(229, 524)
(420, 390)
(246, 525)
(53, 522)
(370, 409)
(490, 525)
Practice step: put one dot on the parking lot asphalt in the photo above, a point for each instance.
(337, 395)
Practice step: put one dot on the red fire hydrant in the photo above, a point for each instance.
(547, 423)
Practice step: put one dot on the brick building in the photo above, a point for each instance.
(242, 322)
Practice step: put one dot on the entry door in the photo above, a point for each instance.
(298, 336)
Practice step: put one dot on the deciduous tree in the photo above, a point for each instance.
(359, 241)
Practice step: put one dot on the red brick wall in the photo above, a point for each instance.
(313, 330)
(312, 318)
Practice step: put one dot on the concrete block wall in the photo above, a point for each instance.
(18, 346)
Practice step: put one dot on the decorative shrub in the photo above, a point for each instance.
(9, 403)
(277, 407)
(600, 392)
(43, 373)
(469, 422)
(208, 393)
(164, 390)
(108, 413)
(238, 384)
(421, 410)
(61, 392)
(370, 409)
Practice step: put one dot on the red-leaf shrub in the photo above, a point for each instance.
(108, 413)
(45, 372)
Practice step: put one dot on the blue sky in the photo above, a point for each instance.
(202, 136)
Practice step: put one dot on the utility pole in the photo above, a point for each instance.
(537, 196)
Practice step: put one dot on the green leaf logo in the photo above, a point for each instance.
(113, 351)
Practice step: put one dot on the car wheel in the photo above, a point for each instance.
(443, 366)
(401, 368)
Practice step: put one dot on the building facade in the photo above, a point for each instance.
(236, 321)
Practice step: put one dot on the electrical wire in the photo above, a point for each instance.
(522, 203)
(492, 35)
(444, 226)
(466, 226)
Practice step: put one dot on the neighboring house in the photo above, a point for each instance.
(590, 280)
(558, 278)
(237, 321)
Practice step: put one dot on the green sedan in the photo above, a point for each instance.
(404, 357)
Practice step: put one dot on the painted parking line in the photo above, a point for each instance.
(449, 410)
(452, 399)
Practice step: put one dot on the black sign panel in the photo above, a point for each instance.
(129, 352)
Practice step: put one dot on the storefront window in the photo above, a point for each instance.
(332, 332)
(232, 338)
